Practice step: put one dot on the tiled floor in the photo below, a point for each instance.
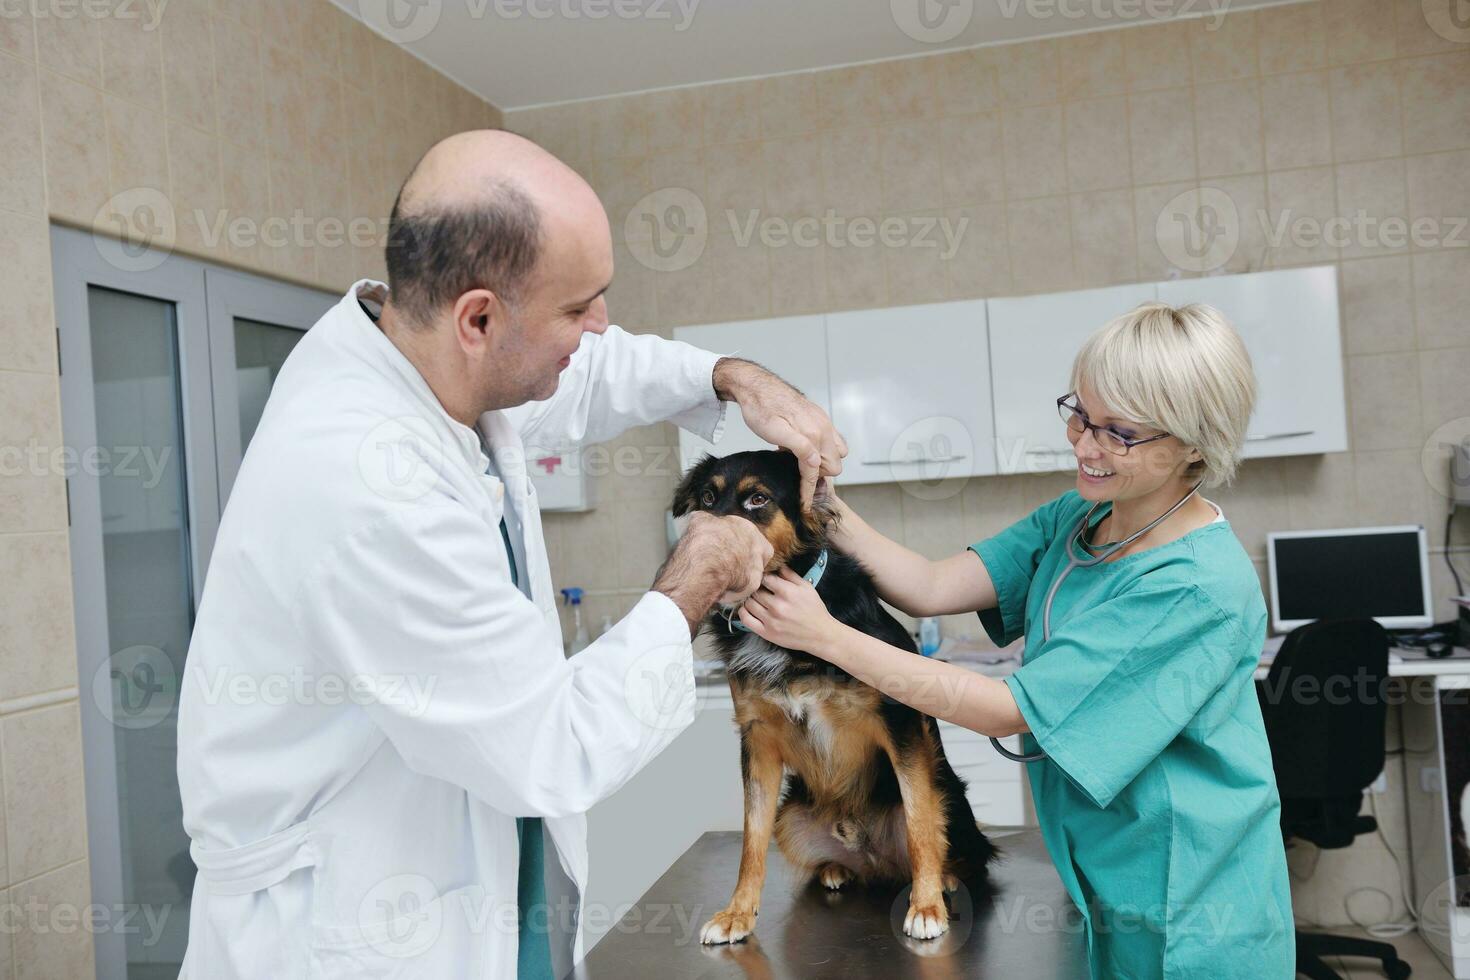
(1412, 950)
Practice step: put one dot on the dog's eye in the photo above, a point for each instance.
(756, 501)
(707, 499)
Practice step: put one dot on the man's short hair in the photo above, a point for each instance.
(435, 254)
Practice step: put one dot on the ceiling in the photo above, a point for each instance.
(522, 53)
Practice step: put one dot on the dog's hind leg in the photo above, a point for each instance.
(761, 771)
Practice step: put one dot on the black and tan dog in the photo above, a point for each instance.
(855, 786)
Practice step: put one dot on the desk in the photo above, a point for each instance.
(1027, 928)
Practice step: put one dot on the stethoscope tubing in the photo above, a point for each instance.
(1087, 562)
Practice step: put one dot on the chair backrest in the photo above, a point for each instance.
(1324, 705)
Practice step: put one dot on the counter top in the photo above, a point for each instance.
(1026, 926)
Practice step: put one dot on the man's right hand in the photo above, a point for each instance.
(717, 558)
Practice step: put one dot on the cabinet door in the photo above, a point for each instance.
(1289, 321)
(911, 392)
(1033, 340)
(793, 347)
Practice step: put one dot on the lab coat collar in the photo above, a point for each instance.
(493, 428)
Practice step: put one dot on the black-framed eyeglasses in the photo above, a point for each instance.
(1109, 438)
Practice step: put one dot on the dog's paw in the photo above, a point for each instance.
(951, 883)
(834, 876)
(729, 926)
(926, 921)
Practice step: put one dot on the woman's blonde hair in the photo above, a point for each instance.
(1185, 371)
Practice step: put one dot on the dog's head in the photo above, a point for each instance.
(764, 487)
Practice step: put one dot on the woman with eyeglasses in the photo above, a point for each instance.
(1143, 622)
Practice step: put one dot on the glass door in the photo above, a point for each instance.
(165, 370)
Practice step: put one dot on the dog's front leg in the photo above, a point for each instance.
(760, 771)
(923, 811)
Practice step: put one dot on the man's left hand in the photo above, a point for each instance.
(784, 417)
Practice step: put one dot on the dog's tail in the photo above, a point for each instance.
(970, 850)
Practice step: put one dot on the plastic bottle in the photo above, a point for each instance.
(929, 636)
(580, 639)
(605, 627)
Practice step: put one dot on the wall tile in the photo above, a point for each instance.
(132, 59)
(1373, 198)
(1035, 160)
(982, 264)
(912, 175)
(856, 278)
(1040, 242)
(75, 138)
(32, 495)
(1359, 30)
(18, 34)
(1385, 495)
(188, 66)
(45, 825)
(1162, 133)
(1436, 96)
(1247, 193)
(1365, 112)
(1148, 203)
(1301, 204)
(1291, 37)
(1297, 120)
(907, 89)
(36, 649)
(1384, 399)
(240, 88)
(972, 155)
(1105, 243)
(852, 165)
(1228, 127)
(1442, 387)
(1027, 73)
(53, 953)
(1321, 490)
(1157, 56)
(793, 169)
(916, 267)
(674, 120)
(732, 112)
(21, 186)
(1439, 199)
(848, 96)
(1441, 297)
(739, 282)
(1098, 152)
(1223, 47)
(799, 280)
(965, 82)
(137, 146)
(71, 46)
(1377, 305)
(789, 105)
(27, 336)
(1092, 65)
(1414, 33)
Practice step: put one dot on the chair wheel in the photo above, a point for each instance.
(1397, 970)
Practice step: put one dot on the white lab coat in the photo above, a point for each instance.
(369, 703)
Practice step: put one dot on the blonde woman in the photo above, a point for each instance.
(1143, 620)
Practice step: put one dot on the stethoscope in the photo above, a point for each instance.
(1075, 539)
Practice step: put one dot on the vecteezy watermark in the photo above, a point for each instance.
(137, 687)
(148, 12)
(1362, 230)
(1112, 13)
(660, 690)
(927, 456)
(1447, 473)
(1450, 19)
(396, 459)
(145, 463)
(405, 21)
(840, 231)
(667, 230)
(143, 229)
(142, 923)
(932, 21)
(1198, 230)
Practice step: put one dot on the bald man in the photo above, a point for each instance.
(384, 757)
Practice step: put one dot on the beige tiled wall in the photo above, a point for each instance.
(250, 108)
(1061, 154)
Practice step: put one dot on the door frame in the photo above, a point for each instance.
(205, 300)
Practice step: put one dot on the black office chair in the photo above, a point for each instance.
(1327, 747)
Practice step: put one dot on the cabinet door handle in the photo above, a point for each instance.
(913, 462)
(1280, 435)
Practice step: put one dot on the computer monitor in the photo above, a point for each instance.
(1377, 572)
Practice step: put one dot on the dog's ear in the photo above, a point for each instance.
(822, 516)
(698, 475)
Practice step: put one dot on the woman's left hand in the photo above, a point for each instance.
(787, 611)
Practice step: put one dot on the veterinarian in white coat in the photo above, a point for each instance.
(376, 689)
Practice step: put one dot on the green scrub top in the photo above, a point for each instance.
(1156, 799)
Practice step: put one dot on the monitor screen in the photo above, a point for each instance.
(1375, 572)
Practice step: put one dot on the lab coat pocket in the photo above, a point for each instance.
(406, 930)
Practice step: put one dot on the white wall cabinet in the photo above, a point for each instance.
(1288, 319)
(794, 347)
(1033, 340)
(911, 392)
(923, 393)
